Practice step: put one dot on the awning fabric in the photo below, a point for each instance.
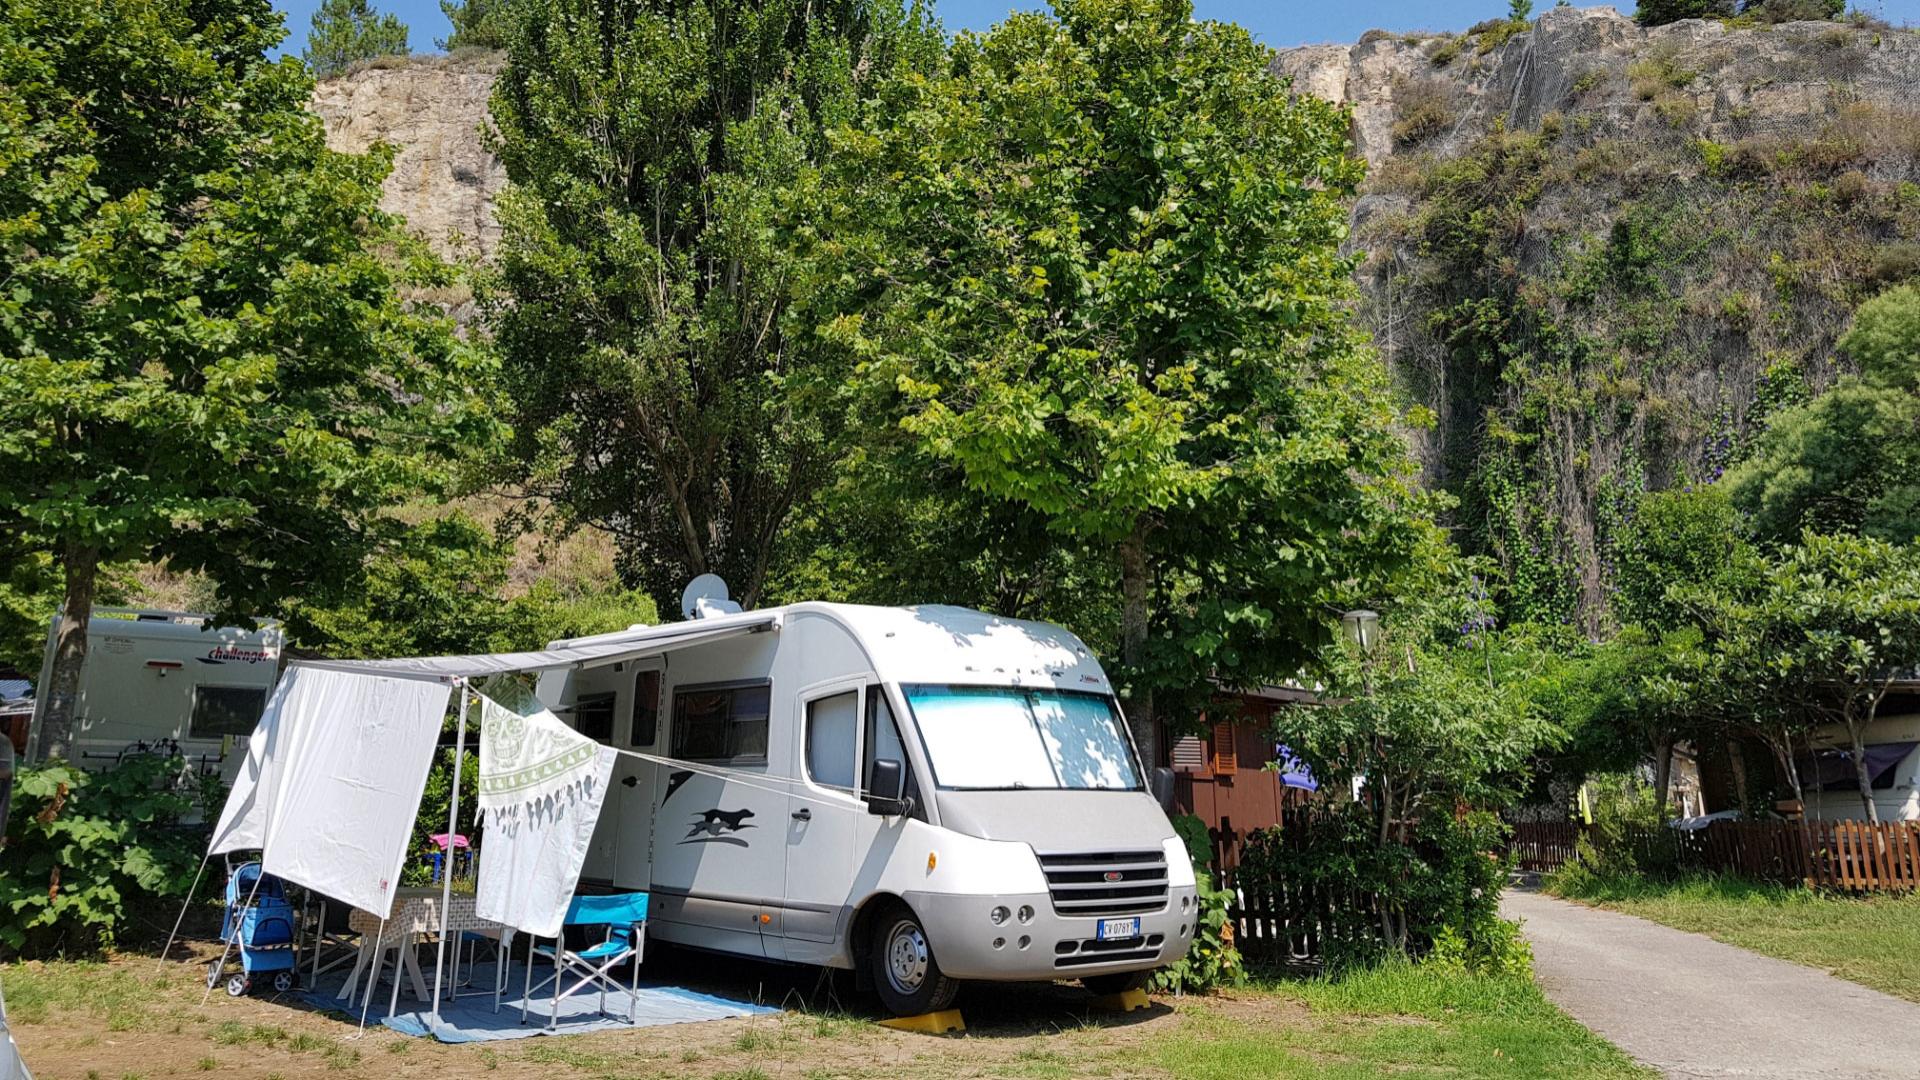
(1832, 770)
(650, 641)
(541, 789)
(333, 779)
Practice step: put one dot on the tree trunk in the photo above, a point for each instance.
(1662, 773)
(1855, 739)
(79, 563)
(1737, 764)
(1133, 645)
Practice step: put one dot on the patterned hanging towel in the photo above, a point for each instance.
(541, 788)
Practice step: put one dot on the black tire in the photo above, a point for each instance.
(1118, 983)
(903, 968)
(238, 985)
(214, 967)
(283, 981)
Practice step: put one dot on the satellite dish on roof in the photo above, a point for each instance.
(704, 596)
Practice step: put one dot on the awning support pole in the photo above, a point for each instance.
(174, 934)
(446, 864)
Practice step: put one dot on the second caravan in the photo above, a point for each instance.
(926, 795)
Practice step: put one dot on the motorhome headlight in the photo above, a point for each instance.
(998, 915)
(1026, 913)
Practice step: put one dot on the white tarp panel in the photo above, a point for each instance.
(243, 821)
(650, 641)
(541, 789)
(333, 780)
(353, 758)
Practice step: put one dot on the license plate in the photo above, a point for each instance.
(1115, 929)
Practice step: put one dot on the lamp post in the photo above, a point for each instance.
(1363, 629)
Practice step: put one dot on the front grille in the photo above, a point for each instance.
(1106, 882)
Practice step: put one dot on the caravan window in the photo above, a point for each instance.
(722, 723)
(646, 708)
(225, 710)
(593, 717)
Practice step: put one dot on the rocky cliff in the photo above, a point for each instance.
(431, 111)
(1601, 254)
(1597, 255)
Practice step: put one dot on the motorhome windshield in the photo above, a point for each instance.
(992, 738)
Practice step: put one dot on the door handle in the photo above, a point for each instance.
(803, 814)
(631, 781)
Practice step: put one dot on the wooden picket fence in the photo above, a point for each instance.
(1540, 846)
(1853, 856)
(1279, 923)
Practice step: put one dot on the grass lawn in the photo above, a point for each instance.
(120, 1020)
(1874, 940)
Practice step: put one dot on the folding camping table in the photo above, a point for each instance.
(416, 914)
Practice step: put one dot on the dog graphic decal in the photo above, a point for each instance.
(717, 826)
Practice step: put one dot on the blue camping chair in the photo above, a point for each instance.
(624, 918)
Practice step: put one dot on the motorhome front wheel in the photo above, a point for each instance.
(905, 972)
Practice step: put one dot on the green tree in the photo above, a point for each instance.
(1848, 460)
(1661, 12)
(644, 269)
(349, 32)
(1837, 621)
(477, 24)
(1100, 287)
(443, 587)
(1781, 11)
(202, 358)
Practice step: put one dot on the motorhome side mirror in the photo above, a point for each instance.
(1163, 789)
(886, 789)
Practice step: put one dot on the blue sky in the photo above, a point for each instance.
(1276, 22)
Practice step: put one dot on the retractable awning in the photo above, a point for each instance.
(587, 652)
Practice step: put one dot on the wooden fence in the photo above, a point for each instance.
(1849, 855)
(1280, 923)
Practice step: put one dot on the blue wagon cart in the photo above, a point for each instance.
(258, 923)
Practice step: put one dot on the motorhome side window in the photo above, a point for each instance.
(225, 710)
(883, 743)
(646, 709)
(593, 717)
(831, 722)
(722, 723)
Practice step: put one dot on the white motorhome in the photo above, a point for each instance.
(924, 795)
(156, 679)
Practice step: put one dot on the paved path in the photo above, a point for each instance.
(1693, 1007)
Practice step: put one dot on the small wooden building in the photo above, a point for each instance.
(1231, 777)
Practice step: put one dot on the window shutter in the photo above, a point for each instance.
(1189, 754)
(1226, 761)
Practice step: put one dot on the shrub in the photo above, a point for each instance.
(1896, 262)
(1629, 837)
(1421, 109)
(1446, 52)
(1785, 11)
(87, 851)
(1441, 884)
(1656, 74)
(1211, 960)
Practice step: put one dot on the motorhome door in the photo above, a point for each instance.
(719, 852)
(822, 813)
(635, 779)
